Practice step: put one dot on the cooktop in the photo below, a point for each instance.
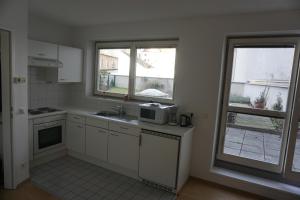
(42, 110)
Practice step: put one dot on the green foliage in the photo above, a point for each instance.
(278, 105)
(278, 123)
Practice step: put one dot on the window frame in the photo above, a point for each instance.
(263, 41)
(133, 46)
(110, 45)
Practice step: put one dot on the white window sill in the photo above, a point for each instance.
(115, 100)
(134, 102)
(258, 181)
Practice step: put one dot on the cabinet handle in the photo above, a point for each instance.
(140, 140)
(114, 134)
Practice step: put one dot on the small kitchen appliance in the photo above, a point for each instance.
(172, 115)
(185, 120)
(153, 112)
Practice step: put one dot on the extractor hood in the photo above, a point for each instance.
(44, 62)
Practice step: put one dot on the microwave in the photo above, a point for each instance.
(153, 112)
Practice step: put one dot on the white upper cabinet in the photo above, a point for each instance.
(71, 58)
(42, 49)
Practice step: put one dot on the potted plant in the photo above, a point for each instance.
(260, 101)
(277, 106)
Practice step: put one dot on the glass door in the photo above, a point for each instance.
(293, 154)
(258, 94)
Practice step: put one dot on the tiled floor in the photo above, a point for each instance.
(194, 189)
(257, 146)
(69, 178)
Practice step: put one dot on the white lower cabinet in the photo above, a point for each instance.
(123, 150)
(76, 136)
(159, 158)
(96, 142)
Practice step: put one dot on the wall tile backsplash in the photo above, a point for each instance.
(77, 98)
(44, 89)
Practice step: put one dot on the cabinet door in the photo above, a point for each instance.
(159, 159)
(96, 142)
(42, 49)
(76, 137)
(123, 150)
(71, 59)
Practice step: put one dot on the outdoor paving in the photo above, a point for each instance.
(257, 146)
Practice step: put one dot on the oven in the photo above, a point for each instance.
(48, 135)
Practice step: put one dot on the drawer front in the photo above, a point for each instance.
(96, 122)
(49, 118)
(123, 128)
(76, 118)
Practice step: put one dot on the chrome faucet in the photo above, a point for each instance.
(119, 109)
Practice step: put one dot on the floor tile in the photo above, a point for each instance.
(70, 178)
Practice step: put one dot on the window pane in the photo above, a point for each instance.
(113, 70)
(155, 72)
(261, 77)
(253, 137)
(296, 162)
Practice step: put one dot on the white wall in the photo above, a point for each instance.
(197, 73)
(48, 31)
(14, 17)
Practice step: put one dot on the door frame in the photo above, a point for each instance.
(5, 47)
(289, 173)
(280, 40)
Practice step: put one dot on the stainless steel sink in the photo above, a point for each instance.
(107, 114)
(115, 115)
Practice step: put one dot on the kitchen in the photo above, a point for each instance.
(109, 138)
(81, 78)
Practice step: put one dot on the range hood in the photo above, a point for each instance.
(44, 62)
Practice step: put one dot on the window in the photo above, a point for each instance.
(113, 71)
(258, 96)
(143, 70)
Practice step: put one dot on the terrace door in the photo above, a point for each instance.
(258, 92)
(293, 155)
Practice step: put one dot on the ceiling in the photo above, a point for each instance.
(92, 12)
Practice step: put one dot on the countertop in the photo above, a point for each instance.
(165, 128)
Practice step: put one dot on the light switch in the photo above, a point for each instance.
(19, 80)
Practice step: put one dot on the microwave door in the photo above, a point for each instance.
(147, 114)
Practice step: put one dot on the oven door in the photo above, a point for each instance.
(49, 135)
